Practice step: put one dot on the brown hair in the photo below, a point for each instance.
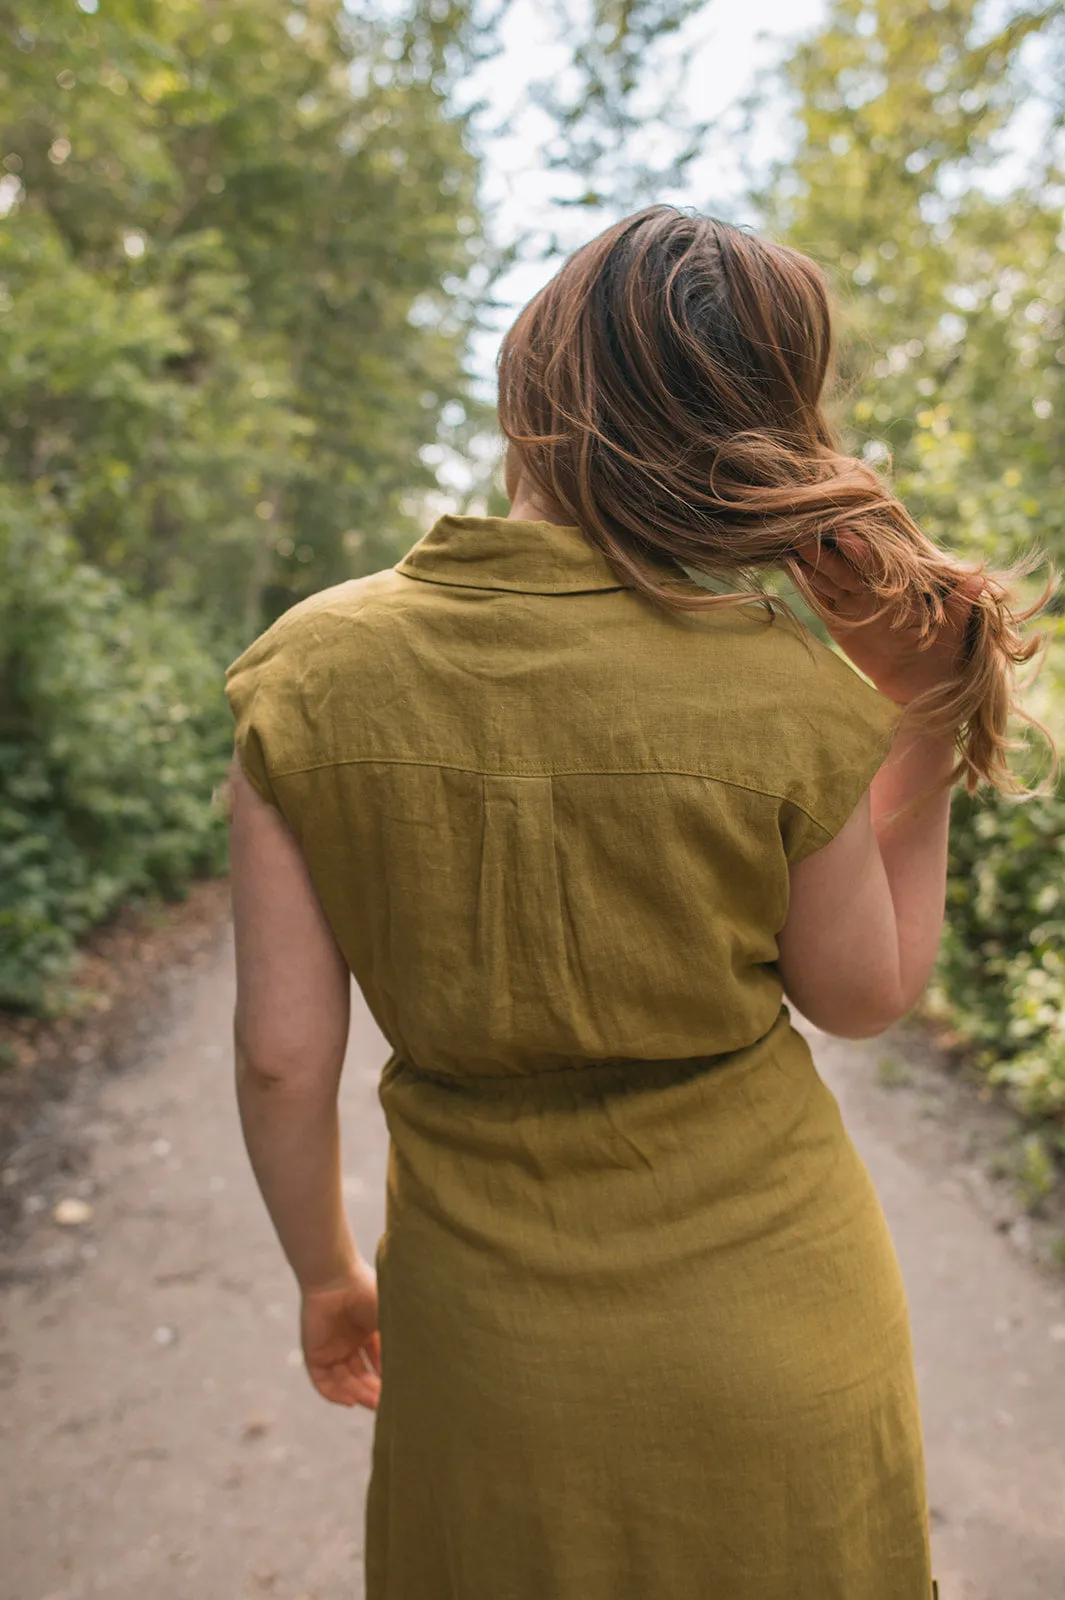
(664, 391)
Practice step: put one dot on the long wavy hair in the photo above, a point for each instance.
(665, 393)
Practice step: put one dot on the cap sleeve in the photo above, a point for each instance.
(844, 733)
(256, 691)
(279, 690)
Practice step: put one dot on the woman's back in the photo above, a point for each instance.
(497, 749)
(633, 1277)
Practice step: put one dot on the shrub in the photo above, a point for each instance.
(1000, 977)
(113, 735)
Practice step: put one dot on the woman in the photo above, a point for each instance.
(583, 829)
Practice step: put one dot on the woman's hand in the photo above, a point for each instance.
(886, 650)
(341, 1342)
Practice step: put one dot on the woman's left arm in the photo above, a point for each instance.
(290, 1034)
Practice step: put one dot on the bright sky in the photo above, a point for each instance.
(727, 43)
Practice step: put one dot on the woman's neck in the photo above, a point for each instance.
(525, 508)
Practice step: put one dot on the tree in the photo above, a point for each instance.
(241, 253)
(950, 285)
(954, 370)
(243, 231)
(233, 307)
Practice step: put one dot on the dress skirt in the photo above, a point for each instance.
(644, 1337)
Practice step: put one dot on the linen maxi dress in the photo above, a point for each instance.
(644, 1335)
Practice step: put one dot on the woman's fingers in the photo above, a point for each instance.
(843, 566)
(345, 1386)
(372, 1352)
(854, 553)
(829, 594)
(829, 567)
(365, 1390)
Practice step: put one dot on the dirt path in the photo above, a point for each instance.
(159, 1437)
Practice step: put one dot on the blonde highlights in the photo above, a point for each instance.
(665, 391)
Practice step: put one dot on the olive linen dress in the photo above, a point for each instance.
(643, 1331)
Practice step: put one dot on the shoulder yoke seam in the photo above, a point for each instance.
(564, 772)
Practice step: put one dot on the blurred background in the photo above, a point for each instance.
(256, 257)
(255, 260)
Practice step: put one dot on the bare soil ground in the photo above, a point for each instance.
(157, 1432)
(130, 974)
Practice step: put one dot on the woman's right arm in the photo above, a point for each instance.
(865, 913)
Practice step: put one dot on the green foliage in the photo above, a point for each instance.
(1036, 1174)
(892, 1074)
(236, 246)
(1001, 971)
(112, 738)
(236, 284)
(241, 254)
(949, 286)
(601, 108)
(953, 368)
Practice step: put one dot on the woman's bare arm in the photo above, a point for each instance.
(291, 1029)
(866, 913)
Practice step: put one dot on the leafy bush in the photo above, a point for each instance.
(1000, 977)
(113, 735)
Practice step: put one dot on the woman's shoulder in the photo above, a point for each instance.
(281, 688)
(834, 681)
(836, 729)
(810, 669)
(777, 663)
(791, 716)
(319, 617)
(329, 631)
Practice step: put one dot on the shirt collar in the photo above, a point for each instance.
(508, 553)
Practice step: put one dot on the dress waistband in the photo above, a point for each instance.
(627, 1071)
